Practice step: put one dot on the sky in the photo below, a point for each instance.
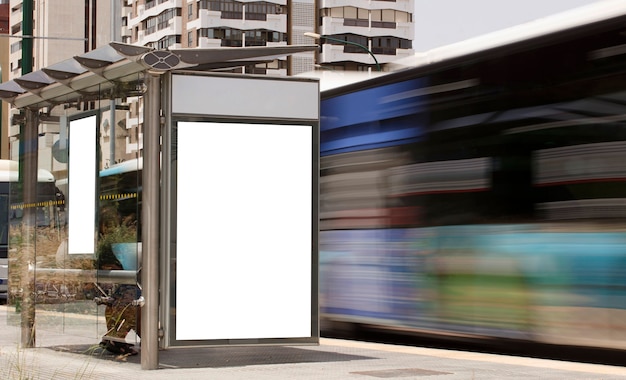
(442, 22)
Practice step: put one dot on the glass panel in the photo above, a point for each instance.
(402, 17)
(376, 15)
(118, 247)
(336, 12)
(349, 12)
(4, 234)
(62, 276)
(389, 15)
(81, 292)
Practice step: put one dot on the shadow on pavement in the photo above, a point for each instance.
(220, 357)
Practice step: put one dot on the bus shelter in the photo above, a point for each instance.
(195, 190)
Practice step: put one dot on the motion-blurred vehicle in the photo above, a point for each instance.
(12, 208)
(482, 192)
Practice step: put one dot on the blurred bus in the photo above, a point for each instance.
(119, 214)
(482, 192)
(11, 211)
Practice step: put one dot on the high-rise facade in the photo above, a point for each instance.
(361, 32)
(383, 27)
(60, 31)
(165, 24)
(4, 76)
(356, 30)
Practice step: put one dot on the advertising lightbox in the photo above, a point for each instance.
(244, 231)
(245, 201)
(82, 185)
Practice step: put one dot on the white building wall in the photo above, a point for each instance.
(399, 5)
(207, 19)
(302, 21)
(213, 19)
(46, 24)
(332, 25)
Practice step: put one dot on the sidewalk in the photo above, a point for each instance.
(60, 356)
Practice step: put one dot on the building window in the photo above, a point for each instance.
(380, 18)
(165, 17)
(190, 39)
(234, 37)
(229, 9)
(190, 11)
(150, 25)
(356, 17)
(18, 66)
(389, 15)
(160, 22)
(16, 46)
(262, 37)
(260, 10)
(349, 12)
(229, 37)
(403, 16)
(165, 42)
(388, 45)
(154, 3)
(354, 38)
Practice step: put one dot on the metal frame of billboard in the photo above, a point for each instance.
(285, 109)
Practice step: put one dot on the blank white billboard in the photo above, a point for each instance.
(244, 231)
(82, 186)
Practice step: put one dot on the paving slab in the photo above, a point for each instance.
(64, 356)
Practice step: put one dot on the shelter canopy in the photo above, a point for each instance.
(117, 69)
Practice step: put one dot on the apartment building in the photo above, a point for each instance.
(4, 76)
(166, 24)
(385, 28)
(382, 28)
(60, 31)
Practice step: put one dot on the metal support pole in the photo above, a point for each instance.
(150, 224)
(28, 174)
(116, 31)
(166, 210)
(3, 130)
(112, 148)
(26, 252)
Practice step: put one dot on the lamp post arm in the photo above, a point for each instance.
(354, 44)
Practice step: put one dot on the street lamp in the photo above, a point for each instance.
(319, 36)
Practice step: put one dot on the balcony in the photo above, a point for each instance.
(144, 13)
(399, 5)
(213, 19)
(332, 25)
(174, 27)
(336, 53)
